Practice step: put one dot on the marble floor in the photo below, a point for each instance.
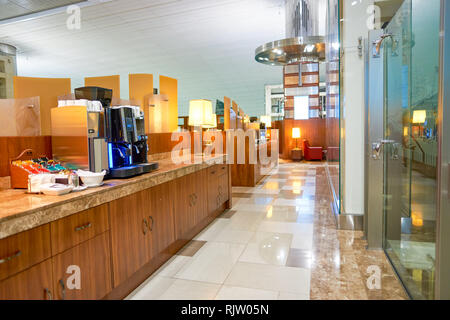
(279, 241)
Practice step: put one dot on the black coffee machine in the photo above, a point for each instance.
(127, 147)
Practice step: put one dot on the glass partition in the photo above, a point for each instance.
(333, 101)
(411, 54)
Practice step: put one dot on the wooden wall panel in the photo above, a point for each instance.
(48, 90)
(314, 130)
(169, 87)
(108, 82)
(233, 118)
(160, 143)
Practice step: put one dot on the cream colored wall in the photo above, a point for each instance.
(352, 99)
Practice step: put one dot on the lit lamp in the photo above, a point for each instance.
(213, 120)
(267, 120)
(296, 134)
(296, 153)
(419, 117)
(200, 113)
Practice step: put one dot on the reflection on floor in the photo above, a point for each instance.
(414, 254)
(278, 242)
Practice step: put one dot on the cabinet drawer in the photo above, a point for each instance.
(24, 250)
(222, 169)
(32, 284)
(213, 171)
(217, 170)
(75, 229)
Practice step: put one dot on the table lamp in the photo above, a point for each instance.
(296, 134)
(419, 117)
(200, 113)
(212, 122)
(267, 120)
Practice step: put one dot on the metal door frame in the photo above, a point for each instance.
(374, 115)
(443, 203)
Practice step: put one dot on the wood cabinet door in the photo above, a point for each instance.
(90, 261)
(161, 220)
(190, 203)
(129, 230)
(200, 187)
(213, 195)
(183, 201)
(223, 189)
(32, 284)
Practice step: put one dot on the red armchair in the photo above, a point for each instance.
(311, 153)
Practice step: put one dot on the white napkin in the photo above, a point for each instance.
(37, 180)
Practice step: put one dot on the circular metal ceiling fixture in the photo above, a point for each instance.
(292, 50)
(8, 49)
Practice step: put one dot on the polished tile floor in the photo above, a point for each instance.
(279, 241)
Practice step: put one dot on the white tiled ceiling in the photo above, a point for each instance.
(17, 8)
(208, 45)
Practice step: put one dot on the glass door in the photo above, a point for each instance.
(411, 53)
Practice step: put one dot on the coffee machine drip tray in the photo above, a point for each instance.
(148, 167)
(131, 171)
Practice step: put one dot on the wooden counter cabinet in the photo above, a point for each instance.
(105, 252)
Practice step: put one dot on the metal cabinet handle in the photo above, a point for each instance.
(152, 223)
(144, 226)
(15, 255)
(63, 289)
(48, 293)
(193, 199)
(81, 228)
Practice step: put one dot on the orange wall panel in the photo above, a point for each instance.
(226, 111)
(141, 87)
(108, 82)
(48, 90)
(314, 130)
(169, 87)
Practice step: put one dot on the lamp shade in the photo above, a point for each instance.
(296, 134)
(419, 116)
(200, 113)
(213, 120)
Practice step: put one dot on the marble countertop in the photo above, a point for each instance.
(20, 211)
